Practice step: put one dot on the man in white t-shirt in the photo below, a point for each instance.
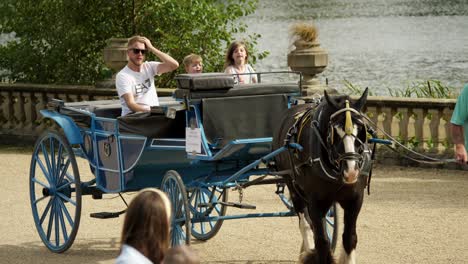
(135, 82)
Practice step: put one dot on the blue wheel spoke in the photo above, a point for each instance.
(64, 185)
(212, 224)
(62, 221)
(63, 171)
(45, 170)
(67, 214)
(70, 177)
(46, 158)
(218, 209)
(46, 210)
(40, 199)
(40, 183)
(66, 198)
(51, 219)
(57, 224)
(58, 163)
(52, 159)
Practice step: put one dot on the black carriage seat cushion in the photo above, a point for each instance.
(241, 90)
(242, 117)
(106, 110)
(153, 124)
(205, 81)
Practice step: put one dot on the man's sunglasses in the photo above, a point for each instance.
(137, 51)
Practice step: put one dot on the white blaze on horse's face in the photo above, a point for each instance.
(351, 173)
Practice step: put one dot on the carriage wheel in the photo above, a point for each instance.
(330, 223)
(205, 230)
(173, 185)
(55, 191)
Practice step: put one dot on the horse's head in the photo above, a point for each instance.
(346, 134)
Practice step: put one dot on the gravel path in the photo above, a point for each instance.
(413, 215)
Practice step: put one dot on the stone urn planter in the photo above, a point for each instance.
(115, 57)
(308, 58)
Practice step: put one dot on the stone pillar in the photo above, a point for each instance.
(115, 57)
(310, 59)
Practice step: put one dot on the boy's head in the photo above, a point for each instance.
(193, 63)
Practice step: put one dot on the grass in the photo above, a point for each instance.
(414, 89)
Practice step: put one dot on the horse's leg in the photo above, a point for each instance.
(304, 227)
(306, 232)
(351, 211)
(322, 254)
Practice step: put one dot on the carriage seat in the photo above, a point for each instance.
(242, 117)
(212, 85)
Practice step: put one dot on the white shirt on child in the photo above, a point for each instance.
(239, 77)
(130, 255)
(140, 84)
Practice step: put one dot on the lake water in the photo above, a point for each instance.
(380, 44)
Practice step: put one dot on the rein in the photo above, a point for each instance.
(424, 159)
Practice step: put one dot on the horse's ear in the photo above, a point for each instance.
(330, 100)
(361, 101)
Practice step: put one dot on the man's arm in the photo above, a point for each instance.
(168, 63)
(130, 100)
(459, 141)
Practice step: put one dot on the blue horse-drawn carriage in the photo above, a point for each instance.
(209, 137)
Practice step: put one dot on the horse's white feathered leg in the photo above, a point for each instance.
(306, 232)
(347, 259)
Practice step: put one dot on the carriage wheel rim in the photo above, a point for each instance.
(55, 211)
(204, 230)
(172, 184)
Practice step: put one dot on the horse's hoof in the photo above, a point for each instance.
(312, 257)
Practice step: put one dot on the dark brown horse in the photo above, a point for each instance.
(332, 167)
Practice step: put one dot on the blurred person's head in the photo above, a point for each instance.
(147, 224)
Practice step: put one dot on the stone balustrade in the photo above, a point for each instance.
(421, 123)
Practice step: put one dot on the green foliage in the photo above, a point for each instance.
(424, 89)
(353, 89)
(418, 89)
(61, 41)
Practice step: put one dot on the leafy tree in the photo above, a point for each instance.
(61, 41)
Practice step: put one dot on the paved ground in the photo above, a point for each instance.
(412, 216)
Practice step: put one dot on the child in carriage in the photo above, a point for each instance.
(193, 63)
(237, 63)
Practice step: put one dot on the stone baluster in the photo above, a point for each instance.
(446, 116)
(403, 124)
(434, 128)
(373, 115)
(419, 115)
(8, 111)
(29, 112)
(388, 120)
(3, 112)
(19, 112)
(41, 103)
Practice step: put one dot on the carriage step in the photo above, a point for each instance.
(237, 205)
(106, 215)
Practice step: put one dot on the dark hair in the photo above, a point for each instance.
(234, 45)
(147, 224)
